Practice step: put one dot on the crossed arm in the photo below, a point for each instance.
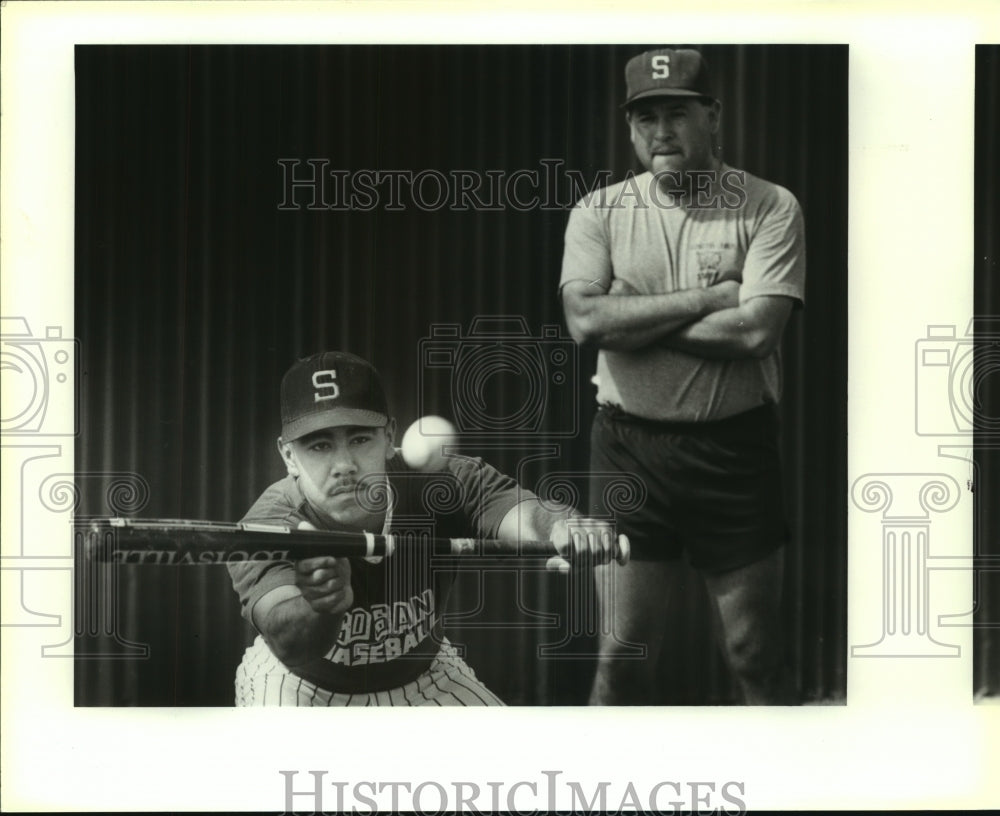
(705, 322)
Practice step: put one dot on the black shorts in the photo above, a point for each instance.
(712, 489)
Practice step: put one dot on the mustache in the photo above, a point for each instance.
(343, 487)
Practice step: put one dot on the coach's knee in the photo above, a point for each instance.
(751, 655)
(621, 681)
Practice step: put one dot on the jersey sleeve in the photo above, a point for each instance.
(487, 495)
(775, 262)
(587, 247)
(252, 580)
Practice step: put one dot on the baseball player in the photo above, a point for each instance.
(683, 278)
(356, 631)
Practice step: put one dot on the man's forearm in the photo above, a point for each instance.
(729, 334)
(297, 634)
(617, 323)
(594, 541)
(529, 520)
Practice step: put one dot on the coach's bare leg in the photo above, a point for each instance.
(748, 602)
(632, 604)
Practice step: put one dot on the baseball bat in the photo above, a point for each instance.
(182, 542)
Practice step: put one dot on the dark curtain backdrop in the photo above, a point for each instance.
(987, 304)
(195, 291)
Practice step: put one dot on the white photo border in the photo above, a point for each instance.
(910, 736)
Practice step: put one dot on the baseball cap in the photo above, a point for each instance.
(666, 72)
(328, 390)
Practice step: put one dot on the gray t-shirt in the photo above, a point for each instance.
(751, 232)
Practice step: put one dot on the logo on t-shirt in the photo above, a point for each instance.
(709, 266)
(384, 631)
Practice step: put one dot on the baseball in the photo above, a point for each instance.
(424, 440)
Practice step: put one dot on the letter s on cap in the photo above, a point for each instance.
(330, 390)
(661, 66)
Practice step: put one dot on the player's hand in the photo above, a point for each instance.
(582, 541)
(325, 581)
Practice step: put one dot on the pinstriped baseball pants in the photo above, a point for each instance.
(262, 680)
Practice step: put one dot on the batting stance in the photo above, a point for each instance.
(357, 631)
(684, 278)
